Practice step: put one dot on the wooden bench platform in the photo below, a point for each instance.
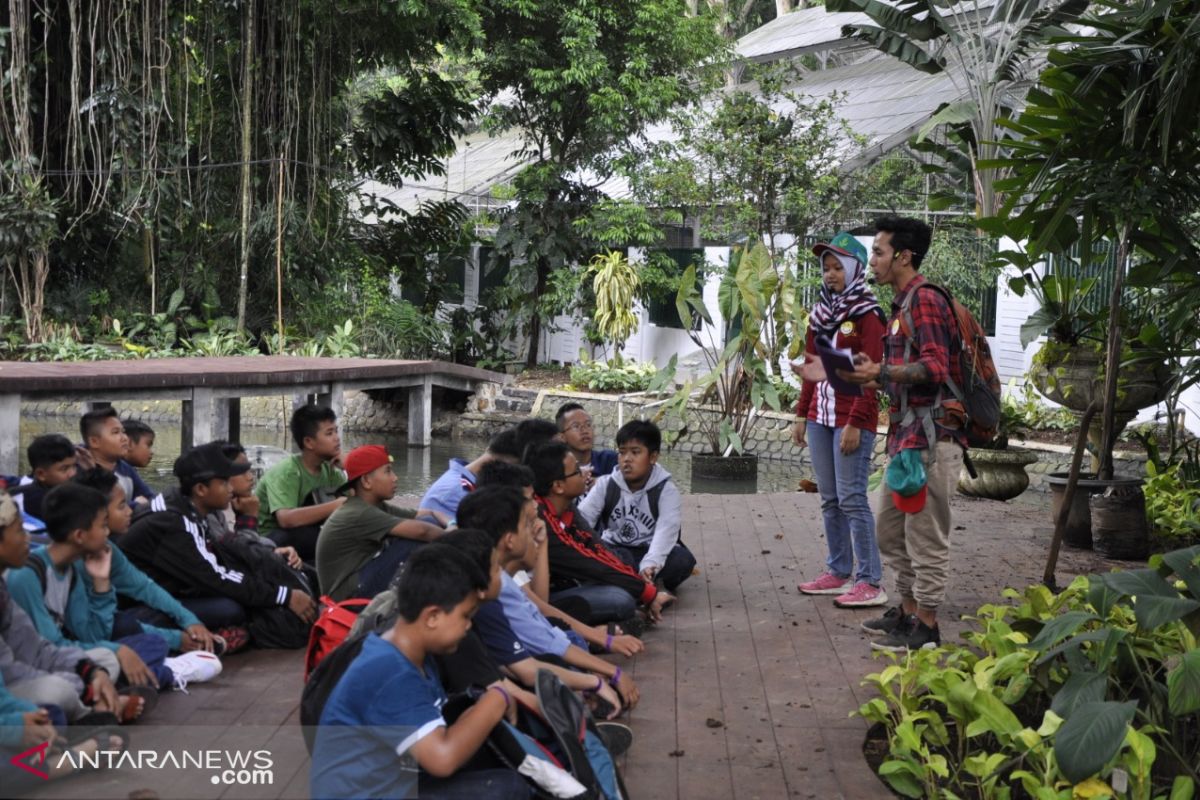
(210, 388)
(747, 687)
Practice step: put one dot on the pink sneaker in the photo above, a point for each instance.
(861, 595)
(828, 583)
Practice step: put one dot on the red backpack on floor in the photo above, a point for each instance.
(331, 629)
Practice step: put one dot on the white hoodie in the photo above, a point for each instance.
(630, 524)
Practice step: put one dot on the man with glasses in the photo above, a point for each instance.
(575, 428)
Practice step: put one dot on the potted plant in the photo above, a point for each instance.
(758, 302)
(999, 467)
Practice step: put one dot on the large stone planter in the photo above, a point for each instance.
(1078, 532)
(1001, 473)
(1074, 379)
(714, 474)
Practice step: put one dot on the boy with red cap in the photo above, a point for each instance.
(366, 540)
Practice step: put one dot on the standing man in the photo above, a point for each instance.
(920, 355)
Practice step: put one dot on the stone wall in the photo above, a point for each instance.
(772, 438)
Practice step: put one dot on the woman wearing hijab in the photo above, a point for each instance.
(839, 428)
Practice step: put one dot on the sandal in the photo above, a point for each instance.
(139, 701)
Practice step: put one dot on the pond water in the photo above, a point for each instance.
(416, 467)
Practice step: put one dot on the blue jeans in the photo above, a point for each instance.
(849, 523)
(493, 784)
(377, 574)
(608, 603)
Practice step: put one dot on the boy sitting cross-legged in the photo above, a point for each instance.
(51, 463)
(130, 582)
(363, 543)
(388, 705)
(224, 583)
(67, 589)
(39, 671)
(636, 509)
(296, 495)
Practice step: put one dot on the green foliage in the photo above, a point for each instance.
(1024, 411)
(752, 160)
(615, 285)
(758, 299)
(1172, 504)
(1052, 694)
(621, 376)
(579, 80)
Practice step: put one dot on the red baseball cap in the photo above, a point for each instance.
(362, 460)
(912, 503)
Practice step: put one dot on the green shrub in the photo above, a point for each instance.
(1056, 696)
(598, 376)
(1171, 502)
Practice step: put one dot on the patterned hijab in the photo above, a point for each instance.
(834, 308)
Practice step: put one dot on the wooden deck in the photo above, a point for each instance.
(210, 388)
(747, 686)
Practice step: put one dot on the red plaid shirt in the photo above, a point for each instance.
(934, 334)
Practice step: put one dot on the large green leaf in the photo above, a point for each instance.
(1139, 582)
(1092, 736)
(1183, 685)
(1153, 611)
(949, 114)
(1101, 596)
(1060, 627)
(1183, 562)
(1080, 688)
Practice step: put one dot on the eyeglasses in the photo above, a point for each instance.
(578, 427)
(577, 471)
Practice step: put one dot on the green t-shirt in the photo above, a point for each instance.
(349, 539)
(288, 485)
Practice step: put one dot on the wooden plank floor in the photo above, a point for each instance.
(747, 686)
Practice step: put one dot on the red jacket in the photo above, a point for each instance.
(820, 403)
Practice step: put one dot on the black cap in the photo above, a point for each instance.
(206, 462)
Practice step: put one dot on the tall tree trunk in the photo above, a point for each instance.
(535, 319)
(247, 152)
(784, 7)
(1112, 361)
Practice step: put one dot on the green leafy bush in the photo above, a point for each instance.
(1171, 502)
(1056, 696)
(599, 376)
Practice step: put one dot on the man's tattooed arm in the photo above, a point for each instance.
(915, 372)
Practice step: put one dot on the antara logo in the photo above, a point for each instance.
(20, 760)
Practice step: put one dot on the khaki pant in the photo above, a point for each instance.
(60, 689)
(916, 547)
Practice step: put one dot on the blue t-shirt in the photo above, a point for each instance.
(379, 709)
(448, 491)
(528, 622)
(140, 489)
(497, 635)
(603, 462)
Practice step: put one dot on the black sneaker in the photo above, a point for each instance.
(617, 737)
(916, 635)
(892, 619)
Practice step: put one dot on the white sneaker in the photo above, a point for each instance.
(197, 666)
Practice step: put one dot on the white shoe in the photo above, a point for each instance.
(197, 666)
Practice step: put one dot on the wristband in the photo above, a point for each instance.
(615, 679)
(507, 698)
(608, 642)
(599, 684)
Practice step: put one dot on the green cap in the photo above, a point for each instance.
(845, 244)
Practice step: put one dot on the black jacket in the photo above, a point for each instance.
(169, 542)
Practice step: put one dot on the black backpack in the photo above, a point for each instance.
(612, 496)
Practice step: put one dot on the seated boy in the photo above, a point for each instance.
(388, 705)
(575, 429)
(67, 590)
(580, 564)
(441, 499)
(129, 582)
(363, 543)
(141, 443)
(636, 510)
(36, 670)
(51, 463)
(296, 495)
(223, 583)
(106, 445)
(511, 518)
